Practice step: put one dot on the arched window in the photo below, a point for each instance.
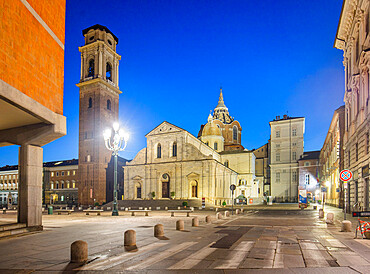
(108, 73)
(215, 146)
(159, 151)
(57, 186)
(109, 105)
(235, 133)
(90, 102)
(91, 71)
(174, 149)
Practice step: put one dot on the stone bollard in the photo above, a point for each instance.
(195, 221)
(227, 214)
(237, 211)
(166, 208)
(178, 208)
(79, 252)
(150, 208)
(346, 226)
(126, 209)
(242, 210)
(158, 230)
(218, 215)
(321, 213)
(216, 209)
(208, 219)
(180, 225)
(329, 218)
(130, 238)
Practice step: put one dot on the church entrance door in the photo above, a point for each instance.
(165, 189)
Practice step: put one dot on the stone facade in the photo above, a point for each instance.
(99, 98)
(354, 39)
(286, 148)
(263, 167)
(332, 159)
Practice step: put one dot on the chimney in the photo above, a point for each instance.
(277, 117)
(285, 116)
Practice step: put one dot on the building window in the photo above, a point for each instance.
(207, 143)
(294, 175)
(294, 155)
(235, 133)
(159, 151)
(62, 185)
(109, 105)
(174, 149)
(88, 158)
(62, 198)
(68, 173)
(294, 132)
(74, 172)
(52, 174)
(51, 185)
(226, 163)
(57, 174)
(108, 74)
(74, 185)
(294, 144)
(62, 173)
(67, 184)
(277, 157)
(215, 146)
(367, 143)
(91, 72)
(277, 134)
(307, 179)
(306, 163)
(278, 177)
(356, 152)
(57, 186)
(90, 102)
(277, 145)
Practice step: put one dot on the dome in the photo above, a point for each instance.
(211, 129)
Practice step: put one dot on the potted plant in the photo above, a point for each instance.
(184, 204)
(172, 194)
(153, 195)
(224, 203)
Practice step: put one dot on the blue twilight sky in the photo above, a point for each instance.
(272, 58)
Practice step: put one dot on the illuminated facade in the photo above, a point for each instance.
(354, 39)
(286, 148)
(308, 171)
(331, 159)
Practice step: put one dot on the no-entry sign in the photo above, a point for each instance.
(345, 175)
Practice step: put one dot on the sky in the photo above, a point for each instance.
(271, 58)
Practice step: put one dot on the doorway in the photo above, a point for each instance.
(165, 186)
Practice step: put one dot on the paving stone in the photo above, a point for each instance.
(286, 260)
(262, 253)
(256, 263)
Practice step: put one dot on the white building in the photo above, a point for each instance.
(286, 148)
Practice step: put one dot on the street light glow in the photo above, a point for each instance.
(107, 133)
(115, 126)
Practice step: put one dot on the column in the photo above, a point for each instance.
(30, 185)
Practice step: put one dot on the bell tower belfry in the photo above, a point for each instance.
(99, 98)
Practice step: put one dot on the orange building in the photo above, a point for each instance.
(32, 34)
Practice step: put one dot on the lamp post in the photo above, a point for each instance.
(115, 143)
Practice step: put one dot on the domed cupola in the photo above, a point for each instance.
(221, 112)
(212, 135)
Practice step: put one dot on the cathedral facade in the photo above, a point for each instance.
(177, 165)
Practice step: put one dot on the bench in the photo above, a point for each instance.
(139, 210)
(187, 211)
(60, 211)
(97, 211)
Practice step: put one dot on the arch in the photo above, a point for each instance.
(109, 104)
(215, 145)
(159, 151)
(57, 185)
(194, 189)
(91, 70)
(174, 149)
(235, 133)
(51, 185)
(165, 180)
(108, 72)
(90, 102)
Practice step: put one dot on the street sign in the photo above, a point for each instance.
(361, 214)
(323, 189)
(232, 187)
(345, 175)
(203, 202)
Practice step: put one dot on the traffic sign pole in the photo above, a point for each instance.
(232, 188)
(345, 175)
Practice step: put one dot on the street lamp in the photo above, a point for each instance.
(116, 143)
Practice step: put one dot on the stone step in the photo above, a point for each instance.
(21, 229)
(12, 226)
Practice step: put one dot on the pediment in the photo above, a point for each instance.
(137, 177)
(163, 128)
(193, 174)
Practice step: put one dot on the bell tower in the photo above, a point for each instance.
(99, 97)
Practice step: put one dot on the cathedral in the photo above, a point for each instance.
(177, 165)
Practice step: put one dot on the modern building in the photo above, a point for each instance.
(175, 164)
(99, 98)
(308, 170)
(332, 159)
(286, 148)
(353, 38)
(31, 92)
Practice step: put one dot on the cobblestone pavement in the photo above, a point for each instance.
(277, 239)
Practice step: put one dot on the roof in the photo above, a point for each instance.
(285, 118)
(310, 155)
(7, 167)
(61, 163)
(100, 27)
(234, 152)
